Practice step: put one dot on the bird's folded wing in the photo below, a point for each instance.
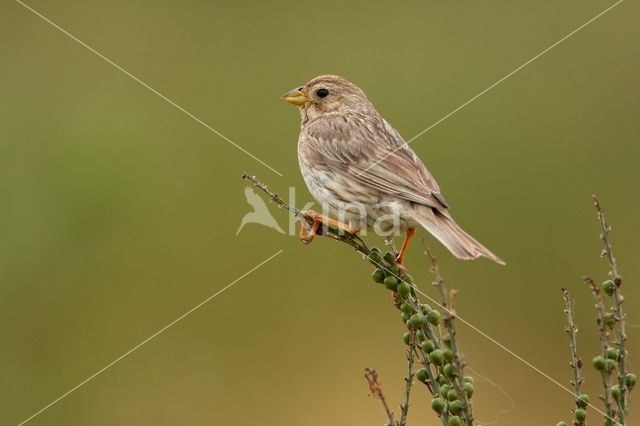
(390, 167)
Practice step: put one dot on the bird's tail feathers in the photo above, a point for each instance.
(447, 231)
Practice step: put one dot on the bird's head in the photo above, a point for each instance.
(328, 94)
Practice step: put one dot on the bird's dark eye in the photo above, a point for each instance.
(322, 93)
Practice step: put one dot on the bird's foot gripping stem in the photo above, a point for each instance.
(309, 231)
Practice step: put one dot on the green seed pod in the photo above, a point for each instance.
(425, 308)
(422, 375)
(404, 318)
(582, 401)
(427, 346)
(442, 380)
(452, 395)
(469, 379)
(434, 316)
(391, 282)
(630, 380)
(615, 392)
(417, 320)
(378, 276)
(608, 287)
(612, 353)
(599, 362)
(448, 370)
(408, 278)
(436, 357)
(390, 258)
(403, 289)
(438, 405)
(405, 307)
(374, 257)
(455, 407)
(469, 389)
(448, 355)
(581, 415)
(610, 364)
(444, 389)
(406, 337)
(421, 337)
(608, 422)
(562, 424)
(609, 320)
(395, 269)
(454, 421)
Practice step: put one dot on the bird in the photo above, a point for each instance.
(260, 213)
(358, 167)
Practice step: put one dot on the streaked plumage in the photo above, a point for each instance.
(342, 140)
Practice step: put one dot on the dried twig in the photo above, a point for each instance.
(576, 362)
(375, 390)
(404, 407)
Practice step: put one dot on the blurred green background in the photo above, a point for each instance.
(119, 212)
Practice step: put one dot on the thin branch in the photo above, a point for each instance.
(404, 408)
(375, 390)
(447, 302)
(617, 300)
(576, 362)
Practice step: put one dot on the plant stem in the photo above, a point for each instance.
(404, 408)
(576, 362)
(376, 391)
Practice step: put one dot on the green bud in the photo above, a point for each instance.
(421, 337)
(609, 320)
(448, 355)
(395, 269)
(630, 380)
(599, 362)
(469, 389)
(442, 380)
(608, 422)
(405, 307)
(455, 407)
(454, 421)
(469, 379)
(448, 370)
(427, 346)
(404, 318)
(378, 276)
(422, 375)
(434, 316)
(374, 257)
(612, 353)
(438, 405)
(403, 289)
(582, 401)
(452, 395)
(417, 320)
(581, 415)
(615, 392)
(608, 287)
(391, 282)
(408, 278)
(444, 389)
(390, 258)
(610, 364)
(436, 357)
(425, 308)
(406, 337)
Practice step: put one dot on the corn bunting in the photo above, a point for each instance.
(358, 167)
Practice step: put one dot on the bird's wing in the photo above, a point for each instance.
(371, 152)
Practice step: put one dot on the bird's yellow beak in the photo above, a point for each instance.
(295, 97)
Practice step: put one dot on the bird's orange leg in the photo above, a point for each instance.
(405, 245)
(318, 220)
